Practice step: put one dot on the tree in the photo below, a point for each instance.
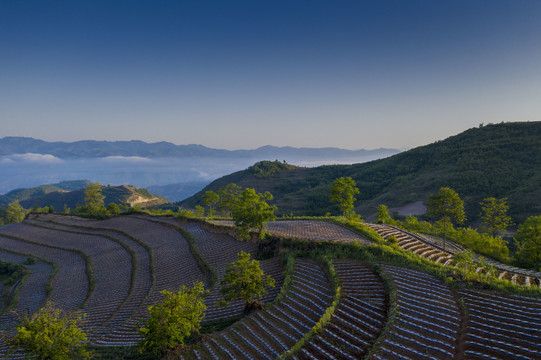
(494, 215)
(465, 260)
(51, 334)
(528, 241)
(244, 280)
(252, 211)
(199, 211)
(228, 197)
(14, 213)
(382, 215)
(343, 192)
(113, 209)
(210, 199)
(173, 319)
(94, 199)
(447, 206)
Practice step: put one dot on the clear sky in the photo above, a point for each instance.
(242, 74)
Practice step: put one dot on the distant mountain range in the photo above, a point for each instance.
(137, 148)
(502, 161)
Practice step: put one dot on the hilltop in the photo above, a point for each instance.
(498, 160)
(71, 194)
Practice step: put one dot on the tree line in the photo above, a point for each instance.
(447, 209)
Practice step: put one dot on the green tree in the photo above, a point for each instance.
(244, 280)
(528, 241)
(465, 260)
(173, 319)
(51, 334)
(494, 215)
(94, 199)
(382, 215)
(14, 213)
(199, 211)
(343, 192)
(251, 211)
(210, 199)
(113, 209)
(446, 206)
(228, 197)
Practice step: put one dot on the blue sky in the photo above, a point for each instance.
(242, 74)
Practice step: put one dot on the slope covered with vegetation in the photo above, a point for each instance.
(496, 160)
(51, 195)
(28, 193)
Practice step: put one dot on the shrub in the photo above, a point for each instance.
(173, 319)
(51, 334)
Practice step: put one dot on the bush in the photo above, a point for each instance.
(173, 319)
(51, 334)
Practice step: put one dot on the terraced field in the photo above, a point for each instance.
(265, 335)
(308, 230)
(114, 269)
(32, 292)
(432, 248)
(357, 321)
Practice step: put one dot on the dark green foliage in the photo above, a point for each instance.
(494, 216)
(210, 199)
(251, 211)
(14, 213)
(173, 319)
(227, 197)
(391, 240)
(244, 280)
(485, 244)
(343, 193)
(528, 240)
(113, 209)
(51, 334)
(446, 206)
(72, 198)
(30, 261)
(494, 160)
(28, 193)
(264, 169)
(382, 215)
(10, 273)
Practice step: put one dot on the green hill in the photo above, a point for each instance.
(501, 160)
(28, 193)
(57, 196)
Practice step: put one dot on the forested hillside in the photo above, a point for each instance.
(58, 195)
(497, 160)
(28, 193)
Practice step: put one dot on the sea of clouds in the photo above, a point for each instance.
(29, 170)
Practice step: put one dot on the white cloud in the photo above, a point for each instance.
(31, 158)
(201, 174)
(131, 159)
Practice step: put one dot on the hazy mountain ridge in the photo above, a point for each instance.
(38, 191)
(502, 160)
(57, 195)
(138, 148)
